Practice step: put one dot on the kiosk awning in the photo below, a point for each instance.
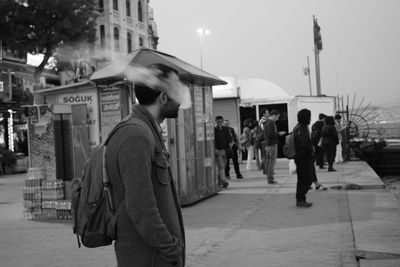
(146, 57)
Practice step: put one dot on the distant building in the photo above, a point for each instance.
(124, 26)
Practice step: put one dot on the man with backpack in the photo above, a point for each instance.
(150, 230)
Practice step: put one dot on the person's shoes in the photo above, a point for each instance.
(239, 176)
(224, 184)
(303, 204)
(272, 182)
(331, 170)
(320, 186)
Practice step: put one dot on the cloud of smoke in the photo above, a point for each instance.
(171, 85)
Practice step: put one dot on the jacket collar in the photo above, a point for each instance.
(142, 113)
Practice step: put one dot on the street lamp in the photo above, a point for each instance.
(202, 32)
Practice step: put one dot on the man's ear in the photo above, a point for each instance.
(163, 98)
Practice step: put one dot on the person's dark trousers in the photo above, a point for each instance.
(304, 169)
(263, 156)
(314, 176)
(235, 161)
(319, 151)
(331, 155)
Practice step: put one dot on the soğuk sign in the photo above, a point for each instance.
(91, 100)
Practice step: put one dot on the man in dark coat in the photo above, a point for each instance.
(150, 229)
(304, 157)
(233, 153)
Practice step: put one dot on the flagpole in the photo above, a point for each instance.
(309, 73)
(317, 70)
(317, 48)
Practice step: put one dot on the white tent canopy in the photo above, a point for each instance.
(257, 90)
(228, 90)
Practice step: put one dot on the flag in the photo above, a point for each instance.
(317, 35)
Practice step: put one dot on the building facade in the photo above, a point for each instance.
(124, 26)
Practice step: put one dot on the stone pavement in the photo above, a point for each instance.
(249, 224)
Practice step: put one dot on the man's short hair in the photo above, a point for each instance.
(321, 116)
(219, 118)
(274, 112)
(264, 110)
(147, 95)
(338, 117)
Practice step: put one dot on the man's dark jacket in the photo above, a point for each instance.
(302, 142)
(271, 135)
(222, 137)
(150, 229)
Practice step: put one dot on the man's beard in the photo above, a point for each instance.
(170, 110)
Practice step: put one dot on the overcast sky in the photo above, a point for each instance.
(271, 39)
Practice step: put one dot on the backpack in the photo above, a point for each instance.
(259, 135)
(253, 136)
(94, 214)
(289, 149)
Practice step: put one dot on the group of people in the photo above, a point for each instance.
(326, 137)
(259, 139)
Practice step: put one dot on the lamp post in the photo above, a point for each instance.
(202, 32)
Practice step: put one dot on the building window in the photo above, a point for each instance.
(102, 36)
(115, 4)
(129, 40)
(101, 5)
(116, 39)
(128, 8)
(140, 11)
(140, 42)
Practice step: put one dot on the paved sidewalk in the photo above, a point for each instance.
(249, 224)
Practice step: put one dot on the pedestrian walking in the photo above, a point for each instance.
(304, 158)
(316, 134)
(223, 144)
(233, 153)
(330, 140)
(150, 230)
(271, 140)
(247, 143)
